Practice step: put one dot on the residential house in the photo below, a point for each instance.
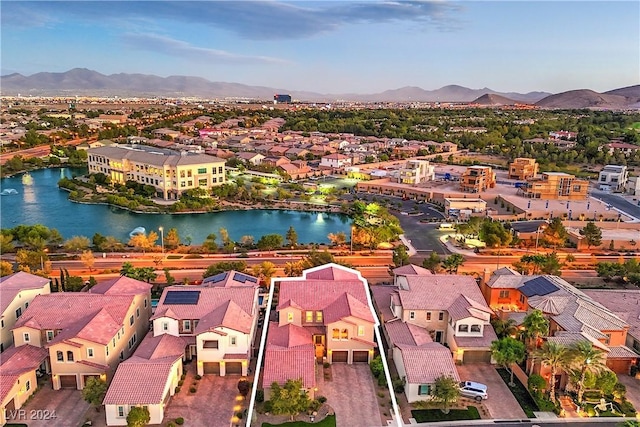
(573, 315)
(18, 379)
(613, 178)
(335, 160)
(632, 186)
(432, 322)
(563, 134)
(477, 179)
(624, 303)
(625, 148)
(555, 185)
(217, 318)
(275, 161)
(296, 153)
(17, 290)
(170, 172)
(148, 378)
(323, 316)
(523, 168)
(87, 333)
(252, 158)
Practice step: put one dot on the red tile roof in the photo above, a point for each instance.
(289, 354)
(11, 285)
(439, 291)
(411, 270)
(15, 361)
(139, 381)
(331, 272)
(122, 285)
(210, 299)
(228, 315)
(424, 364)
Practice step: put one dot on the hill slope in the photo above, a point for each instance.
(584, 98)
(493, 99)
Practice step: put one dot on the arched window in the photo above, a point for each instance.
(59, 356)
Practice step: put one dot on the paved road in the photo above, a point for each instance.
(617, 202)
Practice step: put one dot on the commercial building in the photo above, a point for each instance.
(613, 178)
(523, 168)
(416, 172)
(555, 185)
(170, 172)
(463, 208)
(477, 179)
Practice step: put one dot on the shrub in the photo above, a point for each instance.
(192, 389)
(398, 385)
(260, 395)
(536, 384)
(180, 382)
(239, 414)
(178, 389)
(619, 391)
(314, 405)
(198, 377)
(179, 421)
(376, 366)
(321, 399)
(243, 387)
(171, 424)
(326, 365)
(382, 380)
(268, 406)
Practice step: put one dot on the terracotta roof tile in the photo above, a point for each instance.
(125, 388)
(411, 269)
(228, 315)
(122, 285)
(15, 361)
(289, 354)
(439, 291)
(423, 365)
(624, 303)
(622, 352)
(11, 285)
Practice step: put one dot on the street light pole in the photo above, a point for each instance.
(351, 240)
(162, 239)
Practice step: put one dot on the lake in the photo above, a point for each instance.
(41, 202)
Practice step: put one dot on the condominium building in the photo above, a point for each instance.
(555, 185)
(170, 172)
(613, 178)
(523, 168)
(477, 178)
(415, 172)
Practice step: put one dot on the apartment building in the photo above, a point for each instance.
(613, 178)
(477, 179)
(416, 172)
(87, 334)
(555, 185)
(170, 172)
(523, 168)
(17, 290)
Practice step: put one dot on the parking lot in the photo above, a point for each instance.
(501, 404)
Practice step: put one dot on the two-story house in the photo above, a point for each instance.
(573, 315)
(87, 334)
(218, 319)
(325, 315)
(17, 290)
(432, 322)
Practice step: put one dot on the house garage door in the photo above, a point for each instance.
(476, 357)
(340, 357)
(233, 368)
(68, 381)
(10, 407)
(211, 368)
(360, 357)
(620, 366)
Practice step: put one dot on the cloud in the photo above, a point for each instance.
(256, 20)
(177, 48)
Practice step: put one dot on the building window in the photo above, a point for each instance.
(202, 170)
(309, 316)
(412, 315)
(18, 312)
(360, 330)
(69, 356)
(290, 317)
(335, 334)
(120, 411)
(107, 348)
(131, 320)
(475, 328)
(344, 335)
(27, 386)
(26, 336)
(186, 325)
(233, 341)
(423, 389)
(428, 315)
(504, 294)
(60, 356)
(608, 339)
(49, 335)
(89, 352)
(463, 328)
(441, 315)
(522, 299)
(165, 326)
(2, 323)
(220, 170)
(137, 312)
(210, 344)
(145, 303)
(318, 316)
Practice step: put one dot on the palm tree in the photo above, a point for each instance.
(535, 324)
(555, 356)
(504, 327)
(585, 358)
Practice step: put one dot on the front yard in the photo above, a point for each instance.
(330, 421)
(432, 415)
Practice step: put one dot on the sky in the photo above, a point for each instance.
(334, 46)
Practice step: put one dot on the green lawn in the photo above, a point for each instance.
(330, 421)
(428, 415)
(520, 392)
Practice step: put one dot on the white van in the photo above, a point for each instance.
(473, 390)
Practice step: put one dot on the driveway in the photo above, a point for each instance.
(212, 405)
(351, 394)
(49, 407)
(633, 389)
(501, 403)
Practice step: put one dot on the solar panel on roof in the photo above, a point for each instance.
(538, 286)
(217, 278)
(182, 297)
(242, 278)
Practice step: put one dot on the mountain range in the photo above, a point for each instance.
(81, 81)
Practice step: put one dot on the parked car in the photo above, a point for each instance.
(473, 390)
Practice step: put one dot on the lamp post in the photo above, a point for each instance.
(498, 260)
(351, 240)
(162, 239)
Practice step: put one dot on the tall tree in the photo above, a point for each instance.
(432, 262)
(586, 358)
(88, 259)
(507, 351)
(138, 416)
(292, 237)
(77, 244)
(94, 391)
(592, 234)
(504, 327)
(269, 242)
(172, 239)
(556, 357)
(535, 325)
(210, 242)
(5, 268)
(452, 263)
(289, 399)
(265, 271)
(555, 234)
(400, 256)
(445, 391)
